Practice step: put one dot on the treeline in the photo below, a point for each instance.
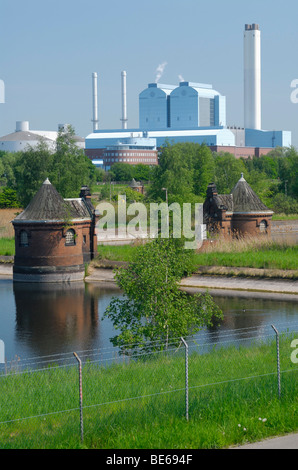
(184, 169)
(22, 173)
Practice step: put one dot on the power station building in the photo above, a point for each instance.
(190, 105)
(195, 112)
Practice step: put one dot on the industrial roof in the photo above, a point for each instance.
(22, 136)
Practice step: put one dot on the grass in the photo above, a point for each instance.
(233, 399)
(253, 252)
(250, 252)
(7, 246)
(285, 216)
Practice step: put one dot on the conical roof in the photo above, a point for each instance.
(47, 205)
(245, 199)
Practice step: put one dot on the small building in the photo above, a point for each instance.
(239, 213)
(54, 237)
(137, 186)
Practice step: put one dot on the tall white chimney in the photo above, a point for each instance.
(124, 105)
(252, 77)
(95, 105)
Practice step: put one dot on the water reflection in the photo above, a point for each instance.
(52, 315)
(39, 320)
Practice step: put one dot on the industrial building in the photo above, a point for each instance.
(127, 150)
(24, 137)
(195, 112)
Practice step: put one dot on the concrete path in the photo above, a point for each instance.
(214, 284)
(5, 270)
(240, 283)
(284, 442)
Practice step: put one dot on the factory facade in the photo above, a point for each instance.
(195, 112)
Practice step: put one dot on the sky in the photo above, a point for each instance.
(49, 49)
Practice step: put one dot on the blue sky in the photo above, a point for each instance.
(49, 50)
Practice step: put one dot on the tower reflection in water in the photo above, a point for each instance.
(56, 318)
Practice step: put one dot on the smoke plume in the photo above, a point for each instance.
(159, 71)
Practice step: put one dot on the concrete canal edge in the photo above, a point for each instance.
(215, 281)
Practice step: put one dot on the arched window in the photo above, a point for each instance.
(70, 237)
(24, 241)
(263, 226)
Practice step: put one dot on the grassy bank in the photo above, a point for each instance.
(7, 247)
(252, 253)
(233, 399)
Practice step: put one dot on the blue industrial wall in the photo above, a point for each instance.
(260, 138)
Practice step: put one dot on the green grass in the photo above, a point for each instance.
(7, 247)
(142, 404)
(269, 256)
(285, 217)
(275, 257)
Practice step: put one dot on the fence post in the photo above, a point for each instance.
(186, 377)
(80, 394)
(278, 360)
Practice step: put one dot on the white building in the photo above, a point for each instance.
(24, 137)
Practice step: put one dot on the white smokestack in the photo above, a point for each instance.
(252, 77)
(124, 105)
(95, 106)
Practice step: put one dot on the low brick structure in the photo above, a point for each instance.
(54, 237)
(239, 213)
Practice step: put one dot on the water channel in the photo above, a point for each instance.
(42, 320)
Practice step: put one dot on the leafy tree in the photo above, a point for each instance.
(8, 198)
(227, 172)
(174, 172)
(71, 168)
(283, 204)
(141, 172)
(31, 168)
(154, 309)
(7, 164)
(122, 172)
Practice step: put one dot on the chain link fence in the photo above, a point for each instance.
(84, 395)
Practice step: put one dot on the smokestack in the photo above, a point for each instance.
(94, 96)
(124, 105)
(252, 77)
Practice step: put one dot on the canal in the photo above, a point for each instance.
(43, 320)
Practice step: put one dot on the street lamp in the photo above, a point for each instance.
(166, 190)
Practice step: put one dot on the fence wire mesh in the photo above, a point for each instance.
(99, 392)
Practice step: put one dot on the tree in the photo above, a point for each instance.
(154, 311)
(31, 168)
(8, 198)
(122, 172)
(71, 168)
(227, 172)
